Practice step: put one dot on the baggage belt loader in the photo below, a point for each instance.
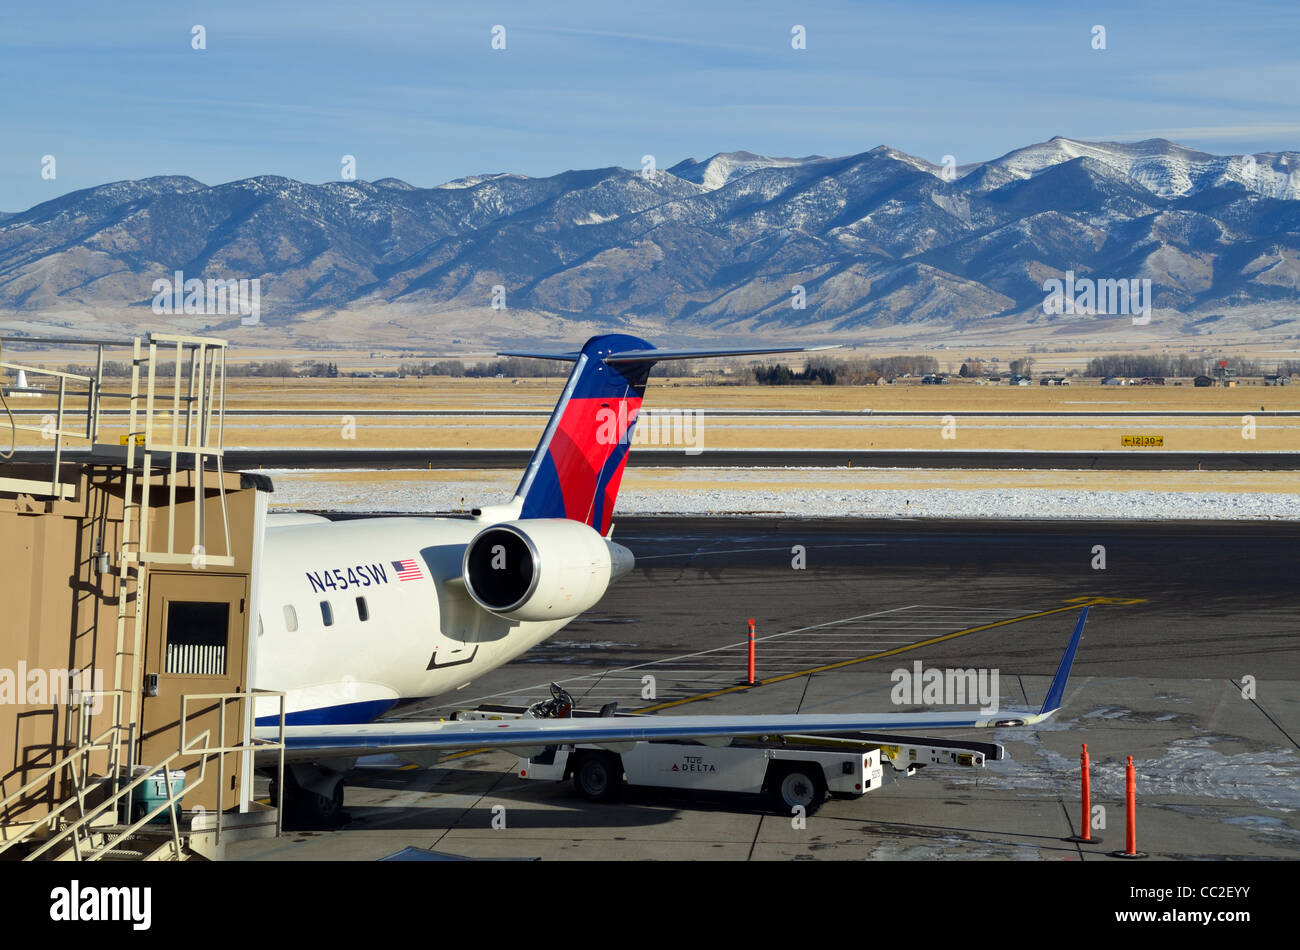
(791, 770)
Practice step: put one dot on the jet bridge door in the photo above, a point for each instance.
(197, 642)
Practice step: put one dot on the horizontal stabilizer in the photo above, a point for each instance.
(566, 357)
(636, 356)
(654, 355)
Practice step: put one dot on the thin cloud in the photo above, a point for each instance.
(651, 38)
(1214, 132)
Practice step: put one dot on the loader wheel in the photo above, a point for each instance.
(797, 785)
(598, 776)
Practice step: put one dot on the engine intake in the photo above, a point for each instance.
(541, 569)
(500, 569)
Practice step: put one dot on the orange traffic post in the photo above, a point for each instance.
(1130, 818)
(1085, 802)
(751, 651)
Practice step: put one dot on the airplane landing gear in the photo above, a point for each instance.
(313, 798)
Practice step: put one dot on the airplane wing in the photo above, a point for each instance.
(345, 741)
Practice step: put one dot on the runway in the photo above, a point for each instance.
(1182, 614)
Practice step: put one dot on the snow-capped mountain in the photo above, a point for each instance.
(880, 239)
(1165, 168)
(725, 167)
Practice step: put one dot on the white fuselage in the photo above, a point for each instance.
(358, 615)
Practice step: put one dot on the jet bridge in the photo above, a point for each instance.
(128, 579)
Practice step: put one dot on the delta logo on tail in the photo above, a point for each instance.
(578, 465)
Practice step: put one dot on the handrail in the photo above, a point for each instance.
(66, 760)
(252, 745)
(112, 801)
(57, 432)
(199, 746)
(194, 426)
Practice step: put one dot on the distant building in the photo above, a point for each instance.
(1277, 380)
(1112, 381)
(1202, 381)
(1153, 381)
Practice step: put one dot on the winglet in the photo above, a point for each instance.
(1056, 692)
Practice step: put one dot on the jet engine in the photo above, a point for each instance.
(541, 569)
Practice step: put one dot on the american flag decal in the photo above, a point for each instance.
(407, 570)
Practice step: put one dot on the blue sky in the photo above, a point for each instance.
(415, 91)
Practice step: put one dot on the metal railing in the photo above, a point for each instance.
(56, 430)
(108, 741)
(252, 746)
(78, 831)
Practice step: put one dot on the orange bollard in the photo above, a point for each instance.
(1085, 802)
(1130, 809)
(1130, 819)
(751, 651)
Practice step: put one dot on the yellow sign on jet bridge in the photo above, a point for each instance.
(1142, 441)
(122, 440)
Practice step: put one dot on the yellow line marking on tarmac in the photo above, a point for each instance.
(1074, 604)
(461, 755)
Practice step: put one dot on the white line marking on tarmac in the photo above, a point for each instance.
(683, 674)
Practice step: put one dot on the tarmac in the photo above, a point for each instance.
(1189, 663)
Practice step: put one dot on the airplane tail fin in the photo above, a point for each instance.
(578, 464)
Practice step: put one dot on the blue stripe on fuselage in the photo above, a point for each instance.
(345, 714)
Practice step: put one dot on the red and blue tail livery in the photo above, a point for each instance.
(576, 469)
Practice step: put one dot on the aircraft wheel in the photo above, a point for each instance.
(325, 811)
(305, 809)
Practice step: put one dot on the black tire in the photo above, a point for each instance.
(305, 810)
(327, 810)
(598, 776)
(794, 784)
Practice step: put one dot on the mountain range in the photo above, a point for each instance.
(878, 245)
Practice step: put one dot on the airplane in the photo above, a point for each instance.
(361, 615)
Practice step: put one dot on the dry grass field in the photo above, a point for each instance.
(1062, 427)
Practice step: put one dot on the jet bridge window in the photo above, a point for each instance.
(327, 613)
(197, 637)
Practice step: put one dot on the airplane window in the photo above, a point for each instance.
(290, 618)
(327, 613)
(363, 611)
